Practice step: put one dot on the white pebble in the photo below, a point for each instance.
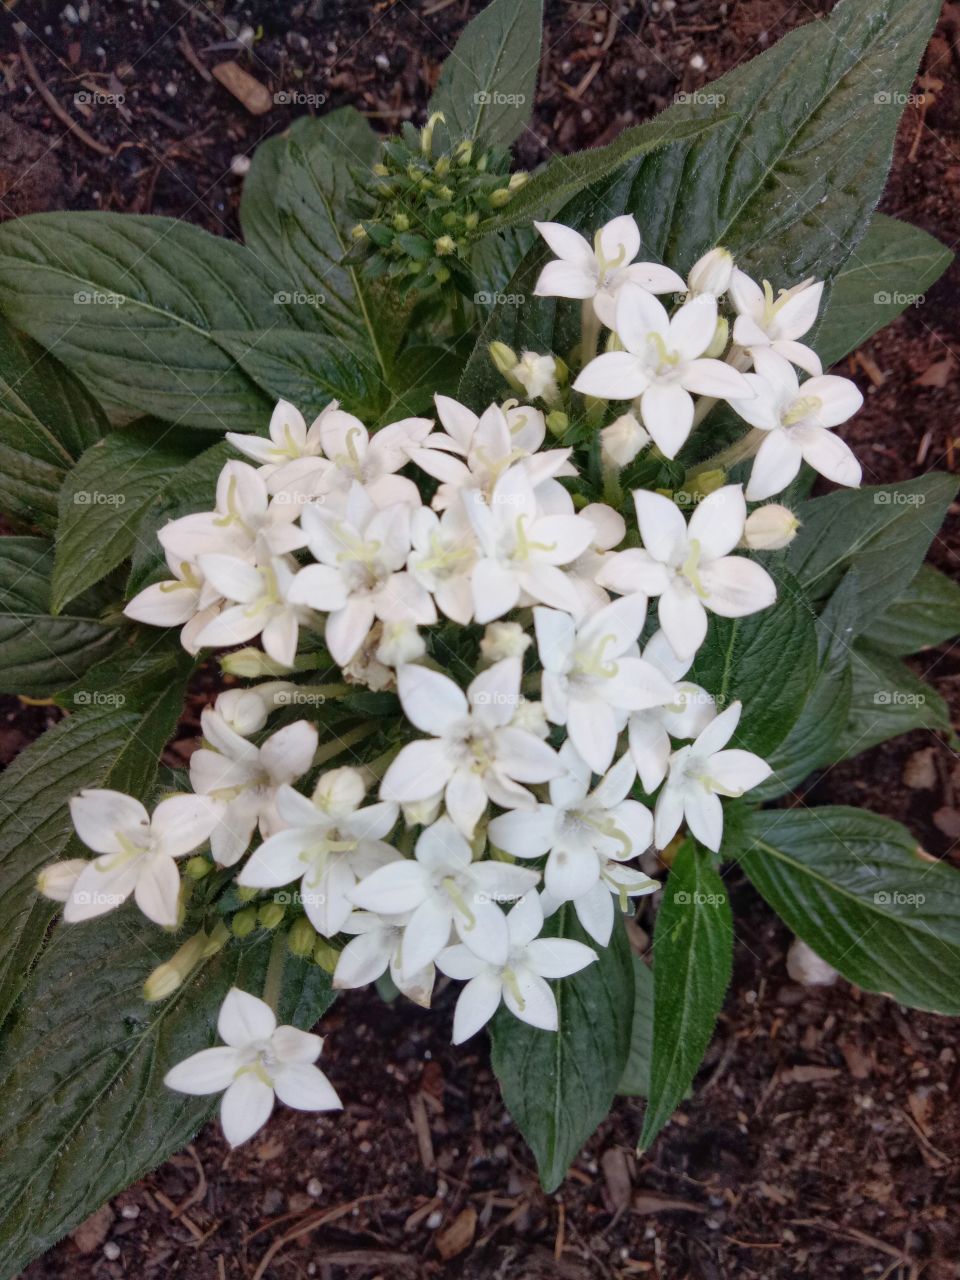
(130, 1211)
(240, 165)
(807, 968)
(111, 1251)
(382, 61)
(170, 89)
(314, 1188)
(435, 1219)
(698, 62)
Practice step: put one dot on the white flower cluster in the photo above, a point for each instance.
(326, 535)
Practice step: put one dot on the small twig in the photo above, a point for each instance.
(188, 51)
(312, 1224)
(61, 113)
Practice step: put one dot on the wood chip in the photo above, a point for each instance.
(421, 1127)
(859, 1064)
(256, 97)
(616, 1174)
(947, 820)
(90, 1235)
(458, 1236)
(651, 1202)
(807, 1073)
(920, 770)
(937, 374)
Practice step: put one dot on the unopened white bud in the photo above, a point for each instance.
(340, 791)
(622, 440)
(56, 880)
(531, 717)
(504, 640)
(537, 375)
(251, 663)
(770, 528)
(243, 711)
(421, 813)
(400, 642)
(807, 968)
(711, 273)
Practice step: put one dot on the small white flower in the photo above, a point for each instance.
(288, 438)
(711, 273)
(257, 1062)
(797, 417)
(328, 844)
(537, 375)
(765, 322)
(137, 852)
(518, 978)
(360, 575)
(593, 675)
(649, 732)
(609, 530)
(662, 363)
(623, 440)
(186, 600)
(374, 950)
(699, 775)
(581, 830)
(475, 754)
(770, 528)
(521, 549)
(246, 777)
(600, 272)
(443, 888)
(442, 557)
(689, 567)
(260, 606)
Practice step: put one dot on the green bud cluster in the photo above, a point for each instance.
(425, 199)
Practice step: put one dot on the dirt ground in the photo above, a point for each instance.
(822, 1137)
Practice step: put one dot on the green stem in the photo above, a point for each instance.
(345, 740)
(589, 332)
(743, 449)
(274, 979)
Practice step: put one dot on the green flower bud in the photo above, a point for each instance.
(380, 171)
(325, 956)
(302, 937)
(197, 867)
(244, 922)
(441, 274)
(270, 915)
(557, 422)
(246, 894)
(504, 358)
(518, 180)
(401, 222)
(472, 220)
(500, 197)
(445, 245)
(250, 664)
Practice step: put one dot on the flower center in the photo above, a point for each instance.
(802, 408)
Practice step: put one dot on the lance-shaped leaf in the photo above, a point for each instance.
(886, 699)
(558, 1086)
(927, 613)
(857, 889)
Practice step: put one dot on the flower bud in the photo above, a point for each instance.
(721, 335)
(421, 813)
(162, 982)
(531, 717)
(358, 232)
(472, 220)
(197, 867)
(441, 274)
(500, 197)
(339, 791)
(537, 375)
(504, 640)
(400, 642)
(770, 528)
(325, 956)
(708, 482)
(56, 880)
(442, 167)
(518, 180)
(557, 422)
(463, 153)
(380, 171)
(251, 663)
(270, 915)
(401, 222)
(426, 133)
(302, 937)
(243, 711)
(712, 273)
(244, 922)
(445, 245)
(622, 440)
(504, 358)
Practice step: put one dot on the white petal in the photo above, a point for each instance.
(347, 628)
(693, 326)
(288, 754)
(803, 357)
(799, 313)
(615, 375)
(719, 731)
(232, 578)
(320, 587)
(157, 892)
(430, 701)
(567, 243)
(776, 464)
(476, 1005)
(715, 378)
(165, 604)
(649, 750)
(536, 1004)
(683, 618)
(736, 586)
(305, 1087)
(400, 886)
(362, 960)
(208, 1071)
(96, 890)
(569, 875)
(662, 526)
(418, 772)
(245, 1108)
(595, 912)
(737, 771)
(426, 935)
(704, 815)
(717, 523)
(524, 833)
(485, 931)
(184, 822)
(495, 591)
(592, 727)
(829, 455)
(667, 413)
(98, 816)
(638, 314)
(460, 962)
(290, 1044)
(559, 957)
(441, 847)
(277, 861)
(525, 920)
(233, 626)
(632, 571)
(555, 632)
(561, 279)
(466, 799)
(667, 815)
(244, 1019)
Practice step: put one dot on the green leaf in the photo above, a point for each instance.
(635, 1081)
(488, 82)
(855, 887)
(882, 530)
(104, 498)
(768, 661)
(129, 304)
(692, 959)
(886, 699)
(84, 1121)
(812, 740)
(424, 371)
(308, 369)
(890, 269)
(113, 740)
(927, 613)
(558, 1086)
(43, 653)
(47, 419)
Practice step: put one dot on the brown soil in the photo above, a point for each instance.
(822, 1137)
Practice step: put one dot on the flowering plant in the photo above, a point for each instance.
(508, 556)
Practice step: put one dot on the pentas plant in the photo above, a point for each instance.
(482, 499)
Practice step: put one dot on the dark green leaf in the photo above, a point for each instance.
(558, 1086)
(43, 653)
(767, 660)
(129, 303)
(882, 530)
(105, 497)
(890, 269)
(927, 613)
(83, 1122)
(887, 699)
(47, 419)
(488, 82)
(854, 886)
(113, 739)
(635, 1081)
(692, 958)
